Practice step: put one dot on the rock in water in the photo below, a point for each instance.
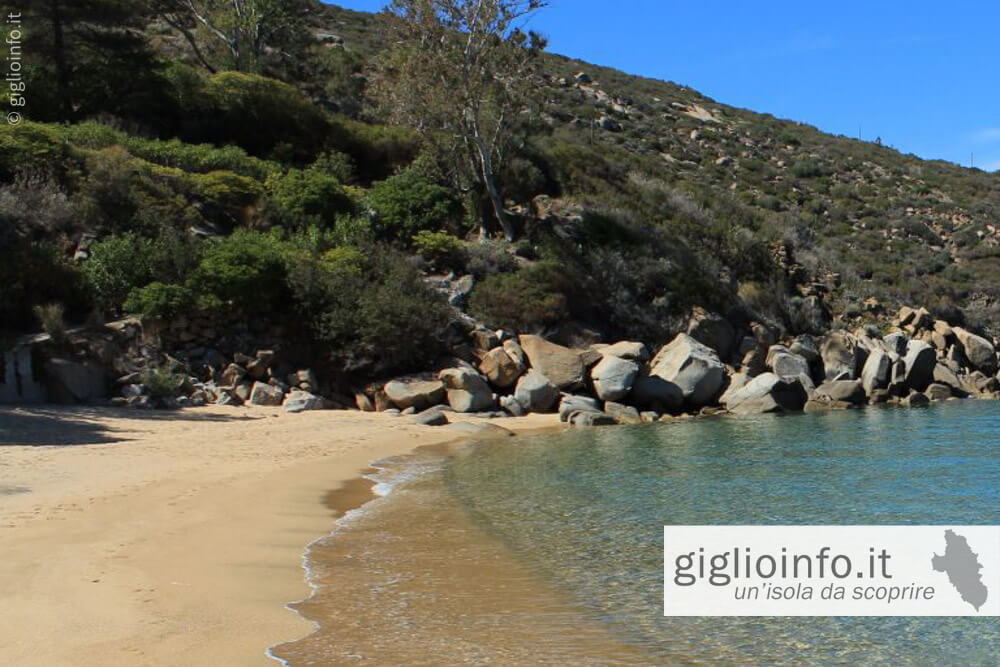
(875, 374)
(613, 378)
(622, 414)
(693, 367)
(535, 392)
(919, 361)
(979, 351)
(467, 390)
(571, 404)
(846, 391)
(786, 364)
(562, 366)
(767, 392)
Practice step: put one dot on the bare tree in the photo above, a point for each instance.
(462, 72)
(244, 28)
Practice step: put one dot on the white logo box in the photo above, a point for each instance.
(831, 570)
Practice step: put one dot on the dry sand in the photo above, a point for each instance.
(161, 539)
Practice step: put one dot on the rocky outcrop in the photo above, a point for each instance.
(979, 351)
(613, 377)
(842, 359)
(784, 363)
(919, 363)
(693, 367)
(712, 330)
(500, 368)
(561, 365)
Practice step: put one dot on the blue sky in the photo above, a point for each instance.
(923, 76)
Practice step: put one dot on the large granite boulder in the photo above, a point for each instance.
(467, 390)
(622, 414)
(302, 401)
(805, 347)
(784, 363)
(651, 391)
(979, 351)
(68, 381)
(692, 366)
(875, 373)
(714, 331)
(500, 368)
(920, 360)
(765, 393)
(895, 343)
(535, 392)
(416, 393)
(845, 391)
(841, 356)
(613, 377)
(562, 366)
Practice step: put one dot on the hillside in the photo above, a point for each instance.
(264, 198)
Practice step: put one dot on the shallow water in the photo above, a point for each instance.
(548, 550)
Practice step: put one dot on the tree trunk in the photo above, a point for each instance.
(59, 55)
(489, 182)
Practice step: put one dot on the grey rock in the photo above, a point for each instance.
(562, 366)
(767, 392)
(265, 394)
(626, 350)
(980, 352)
(67, 381)
(613, 378)
(920, 360)
(784, 363)
(916, 400)
(896, 342)
(848, 391)
(938, 392)
(651, 391)
(875, 373)
(692, 366)
(586, 419)
(841, 356)
(571, 404)
(432, 417)
(622, 414)
(302, 401)
(714, 331)
(805, 347)
(418, 393)
(467, 391)
(510, 404)
(535, 392)
(480, 430)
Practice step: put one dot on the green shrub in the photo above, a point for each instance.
(159, 301)
(31, 146)
(521, 301)
(35, 273)
(489, 257)
(244, 272)
(163, 381)
(300, 196)
(407, 204)
(52, 318)
(116, 266)
(441, 250)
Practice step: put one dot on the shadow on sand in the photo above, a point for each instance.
(58, 426)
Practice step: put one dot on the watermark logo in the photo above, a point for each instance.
(15, 68)
(831, 571)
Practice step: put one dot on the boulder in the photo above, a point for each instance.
(650, 391)
(622, 414)
(415, 393)
(736, 382)
(500, 369)
(712, 330)
(480, 429)
(483, 339)
(432, 417)
(467, 391)
(841, 356)
(920, 360)
(363, 403)
(510, 404)
(232, 375)
(916, 400)
(587, 418)
(514, 351)
(896, 343)
(979, 351)
(571, 404)
(905, 316)
(938, 392)
(784, 363)
(820, 405)
(69, 381)
(875, 373)
(242, 391)
(692, 366)
(626, 350)
(613, 377)
(805, 347)
(946, 376)
(302, 401)
(535, 392)
(848, 391)
(562, 366)
(265, 394)
(767, 392)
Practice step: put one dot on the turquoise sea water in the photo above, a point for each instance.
(586, 509)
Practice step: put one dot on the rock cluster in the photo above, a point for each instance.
(705, 371)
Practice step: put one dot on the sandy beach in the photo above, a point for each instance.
(135, 538)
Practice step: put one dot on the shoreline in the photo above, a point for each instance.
(175, 538)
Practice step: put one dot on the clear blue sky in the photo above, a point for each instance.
(924, 76)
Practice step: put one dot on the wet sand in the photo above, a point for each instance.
(159, 539)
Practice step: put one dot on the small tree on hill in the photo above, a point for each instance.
(461, 73)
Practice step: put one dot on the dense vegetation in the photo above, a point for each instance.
(271, 187)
